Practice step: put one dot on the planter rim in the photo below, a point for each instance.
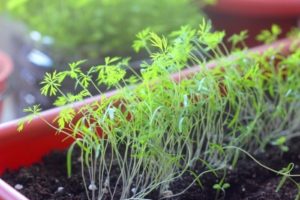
(258, 8)
(6, 67)
(9, 193)
(10, 137)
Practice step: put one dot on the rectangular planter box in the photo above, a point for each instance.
(37, 139)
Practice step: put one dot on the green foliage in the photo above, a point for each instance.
(268, 36)
(51, 83)
(93, 28)
(65, 117)
(280, 142)
(159, 129)
(142, 38)
(111, 73)
(32, 112)
(221, 186)
(237, 39)
(286, 170)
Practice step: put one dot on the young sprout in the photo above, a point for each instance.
(220, 187)
(281, 143)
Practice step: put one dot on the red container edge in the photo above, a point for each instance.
(259, 8)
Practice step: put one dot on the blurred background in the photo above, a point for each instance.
(38, 36)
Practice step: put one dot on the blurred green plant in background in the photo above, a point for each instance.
(98, 28)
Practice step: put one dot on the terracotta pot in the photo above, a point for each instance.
(6, 68)
(234, 16)
(37, 139)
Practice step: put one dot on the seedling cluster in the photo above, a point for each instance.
(156, 128)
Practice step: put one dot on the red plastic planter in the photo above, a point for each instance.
(254, 15)
(37, 139)
(6, 68)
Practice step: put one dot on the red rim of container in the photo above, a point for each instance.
(259, 8)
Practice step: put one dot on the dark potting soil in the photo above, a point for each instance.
(248, 180)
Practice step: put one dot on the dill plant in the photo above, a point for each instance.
(157, 128)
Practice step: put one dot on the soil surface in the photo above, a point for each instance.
(248, 180)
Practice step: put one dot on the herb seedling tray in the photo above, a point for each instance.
(25, 148)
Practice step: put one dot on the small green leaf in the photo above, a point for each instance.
(34, 110)
(20, 125)
(269, 36)
(60, 101)
(161, 43)
(217, 187)
(226, 185)
(51, 83)
(280, 141)
(276, 30)
(212, 40)
(65, 116)
(111, 75)
(240, 38)
(142, 39)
